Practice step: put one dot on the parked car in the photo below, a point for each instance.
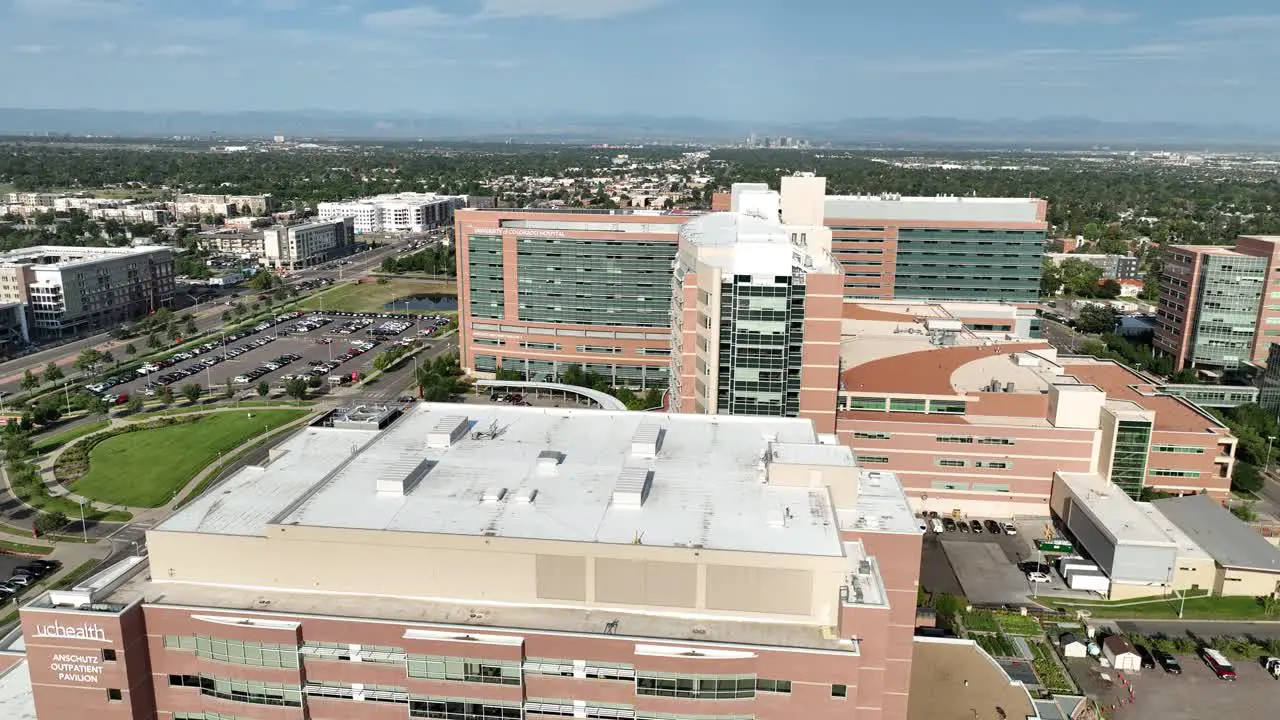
(1008, 529)
(1168, 662)
(976, 526)
(992, 527)
(948, 524)
(1148, 660)
(1038, 577)
(962, 526)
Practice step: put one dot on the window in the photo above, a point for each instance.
(108, 655)
(866, 403)
(206, 715)
(951, 462)
(871, 436)
(996, 441)
(773, 686)
(872, 460)
(698, 687)
(839, 691)
(947, 407)
(1158, 472)
(907, 405)
(245, 691)
(1185, 449)
(941, 485)
(462, 709)
(486, 341)
(114, 695)
(548, 666)
(954, 439)
(236, 651)
(992, 464)
(436, 667)
(539, 346)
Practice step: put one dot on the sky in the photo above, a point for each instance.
(746, 60)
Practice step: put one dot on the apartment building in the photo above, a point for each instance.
(223, 205)
(294, 247)
(543, 290)
(935, 248)
(395, 213)
(240, 243)
(13, 326)
(67, 290)
(569, 563)
(978, 422)
(756, 311)
(1220, 307)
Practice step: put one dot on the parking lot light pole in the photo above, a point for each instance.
(1267, 465)
(84, 529)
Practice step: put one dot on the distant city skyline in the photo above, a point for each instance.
(811, 60)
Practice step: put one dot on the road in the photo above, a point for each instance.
(1199, 629)
(208, 317)
(1061, 336)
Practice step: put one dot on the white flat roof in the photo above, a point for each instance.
(1187, 548)
(16, 699)
(550, 473)
(890, 207)
(1114, 511)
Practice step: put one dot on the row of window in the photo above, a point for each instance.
(239, 652)
(1185, 449)
(976, 487)
(438, 667)
(1160, 472)
(985, 464)
(911, 405)
(970, 440)
(245, 691)
(707, 687)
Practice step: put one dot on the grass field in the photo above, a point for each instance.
(1195, 608)
(371, 297)
(223, 407)
(145, 468)
(21, 549)
(53, 442)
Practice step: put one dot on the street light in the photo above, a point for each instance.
(1267, 465)
(84, 529)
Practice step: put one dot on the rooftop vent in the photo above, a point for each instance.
(446, 431)
(548, 461)
(525, 496)
(493, 495)
(632, 487)
(646, 441)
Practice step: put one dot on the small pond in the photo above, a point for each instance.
(430, 301)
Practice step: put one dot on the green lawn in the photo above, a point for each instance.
(372, 296)
(53, 442)
(145, 468)
(1195, 608)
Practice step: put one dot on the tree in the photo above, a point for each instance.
(263, 280)
(1079, 278)
(153, 342)
(88, 358)
(1246, 478)
(134, 405)
(1050, 278)
(1111, 244)
(108, 358)
(228, 391)
(47, 412)
(190, 327)
(1108, 289)
(263, 388)
(166, 396)
(1096, 319)
(130, 350)
(29, 380)
(50, 522)
(296, 388)
(52, 373)
(192, 392)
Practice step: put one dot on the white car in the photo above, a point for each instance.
(240, 379)
(1009, 529)
(1038, 577)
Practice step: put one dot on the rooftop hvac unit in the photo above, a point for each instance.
(632, 487)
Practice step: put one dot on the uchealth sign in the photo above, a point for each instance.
(84, 669)
(82, 631)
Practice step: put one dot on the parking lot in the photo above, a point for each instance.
(989, 568)
(8, 564)
(309, 345)
(1196, 694)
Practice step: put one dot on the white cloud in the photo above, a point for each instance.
(1072, 14)
(75, 8)
(410, 18)
(1232, 24)
(564, 9)
(33, 49)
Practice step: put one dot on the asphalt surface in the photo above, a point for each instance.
(1199, 629)
(208, 316)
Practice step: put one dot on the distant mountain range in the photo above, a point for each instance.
(1060, 132)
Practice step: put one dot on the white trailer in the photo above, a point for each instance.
(1067, 565)
(1092, 581)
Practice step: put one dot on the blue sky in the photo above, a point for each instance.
(755, 60)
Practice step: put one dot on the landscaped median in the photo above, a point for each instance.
(1200, 606)
(145, 465)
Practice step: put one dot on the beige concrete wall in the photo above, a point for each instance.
(1244, 582)
(1195, 572)
(842, 481)
(1121, 591)
(449, 567)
